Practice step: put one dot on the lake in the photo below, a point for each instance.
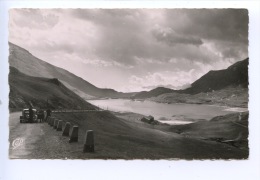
(167, 113)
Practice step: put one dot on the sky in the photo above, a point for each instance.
(133, 50)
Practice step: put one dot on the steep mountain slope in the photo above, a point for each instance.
(26, 89)
(234, 75)
(25, 62)
(153, 93)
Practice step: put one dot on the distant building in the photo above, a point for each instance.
(149, 119)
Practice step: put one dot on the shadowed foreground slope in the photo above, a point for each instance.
(116, 138)
(26, 89)
(221, 128)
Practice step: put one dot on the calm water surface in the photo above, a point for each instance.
(167, 113)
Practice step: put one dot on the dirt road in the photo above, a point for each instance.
(114, 139)
(35, 141)
(22, 136)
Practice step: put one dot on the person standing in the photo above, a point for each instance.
(30, 114)
(48, 113)
(41, 115)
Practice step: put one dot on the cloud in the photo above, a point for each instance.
(214, 24)
(172, 38)
(174, 80)
(34, 18)
(143, 43)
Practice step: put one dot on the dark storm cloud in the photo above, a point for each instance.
(217, 24)
(125, 34)
(226, 29)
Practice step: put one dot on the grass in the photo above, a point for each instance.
(26, 89)
(118, 138)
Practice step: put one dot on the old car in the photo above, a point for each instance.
(25, 116)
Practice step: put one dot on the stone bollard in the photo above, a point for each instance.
(66, 131)
(89, 141)
(55, 124)
(74, 134)
(59, 125)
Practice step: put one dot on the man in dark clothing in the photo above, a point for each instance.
(48, 113)
(30, 115)
(40, 115)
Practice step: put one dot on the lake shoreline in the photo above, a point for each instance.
(232, 97)
(173, 114)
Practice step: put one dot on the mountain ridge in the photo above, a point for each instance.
(152, 93)
(41, 93)
(235, 75)
(25, 62)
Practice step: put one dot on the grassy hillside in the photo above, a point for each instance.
(221, 129)
(225, 87)
(116, 138)
(235, 75)
(26, 89)
(28, 64)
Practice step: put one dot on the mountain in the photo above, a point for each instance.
(234, 75)
(25, 90)
(28, 64)
(153, 93)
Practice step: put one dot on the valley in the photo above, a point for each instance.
(186, 118)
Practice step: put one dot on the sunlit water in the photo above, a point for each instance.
(167, 113)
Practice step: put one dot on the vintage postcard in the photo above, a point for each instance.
(128, 83)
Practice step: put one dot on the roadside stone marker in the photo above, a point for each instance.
(89, 141)
(74, 134)
(66, 131)
(59, 126)
(55, 124)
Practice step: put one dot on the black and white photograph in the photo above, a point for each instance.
(128, 83)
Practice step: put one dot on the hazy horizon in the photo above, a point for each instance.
(132, 50)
